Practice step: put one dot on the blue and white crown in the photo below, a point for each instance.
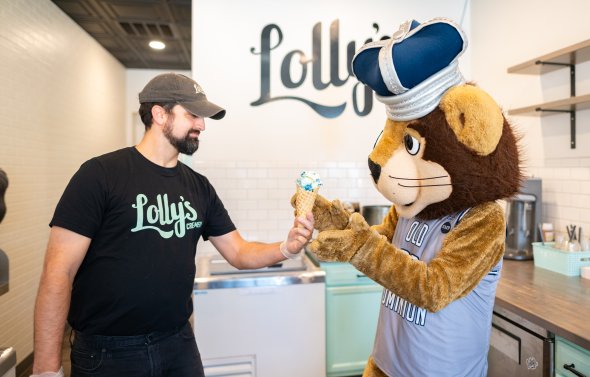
(411, 71)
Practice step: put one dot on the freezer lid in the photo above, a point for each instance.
(216, 273)
(220, 266)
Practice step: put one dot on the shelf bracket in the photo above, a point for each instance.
(572, 74)
(572, 123)
(572, 94)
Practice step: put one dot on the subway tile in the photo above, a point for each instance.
(571, 186)
(563, 173)
(580, 201)
(336, 173)
(257, 173)
(581, 174)
(38, 156)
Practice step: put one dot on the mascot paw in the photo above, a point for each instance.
(327, 215)
(358, 223)
(334, 245)
(342, 245)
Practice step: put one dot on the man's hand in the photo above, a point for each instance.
(327, 215)
(300, 233)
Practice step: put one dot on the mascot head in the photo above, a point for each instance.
(446, 145)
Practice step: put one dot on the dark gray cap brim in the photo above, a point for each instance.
(204, 109)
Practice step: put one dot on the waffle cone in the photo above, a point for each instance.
(305, 200)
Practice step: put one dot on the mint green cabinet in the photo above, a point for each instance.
(351, 322)
(570, 358)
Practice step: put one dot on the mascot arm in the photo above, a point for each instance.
(327, 214)
(467, 254)
(387, 227)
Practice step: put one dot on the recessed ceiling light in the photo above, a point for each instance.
(157, 45)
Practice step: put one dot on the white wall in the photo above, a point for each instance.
(62, 101)
(505, 33)
(254, 154)
(289, 130)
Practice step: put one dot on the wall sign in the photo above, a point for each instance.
(313, 60)
(283, 74)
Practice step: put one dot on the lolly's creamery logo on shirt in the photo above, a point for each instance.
(161, 215)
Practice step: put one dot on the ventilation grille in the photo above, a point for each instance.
(143, 29)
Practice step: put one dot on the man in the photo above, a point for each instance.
(120, 258)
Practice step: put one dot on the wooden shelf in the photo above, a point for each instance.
(568, 104)
(567, 57)
(574, 54)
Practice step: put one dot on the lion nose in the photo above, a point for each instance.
(375, 170)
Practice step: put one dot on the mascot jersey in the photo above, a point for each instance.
(412, 342)
(144, 221)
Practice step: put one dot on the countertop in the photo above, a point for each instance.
(559, 303)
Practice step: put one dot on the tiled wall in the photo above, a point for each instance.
(257, 194)
(566, 193)
(62, 99)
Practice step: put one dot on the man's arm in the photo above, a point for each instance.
(243, 254)
(65, 252)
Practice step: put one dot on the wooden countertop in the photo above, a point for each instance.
(559, 303)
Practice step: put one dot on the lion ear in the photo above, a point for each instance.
(474, 117)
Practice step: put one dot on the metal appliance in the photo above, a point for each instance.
(374, 214)
(3, 272)
(7, 355)
(260, 322)
(3, 256)
(7, 362)
(519, 347)
(523, 214)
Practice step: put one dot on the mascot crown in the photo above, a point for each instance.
(410, 71)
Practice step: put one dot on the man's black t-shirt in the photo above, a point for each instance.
(144, 221)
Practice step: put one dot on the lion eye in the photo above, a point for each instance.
(412, 144)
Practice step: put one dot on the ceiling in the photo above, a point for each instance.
(125, 27)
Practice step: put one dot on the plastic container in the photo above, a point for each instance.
(563, 262)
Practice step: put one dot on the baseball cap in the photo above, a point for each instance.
(181, 89)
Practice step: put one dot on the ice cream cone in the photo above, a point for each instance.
(305, 200)
(307, 186)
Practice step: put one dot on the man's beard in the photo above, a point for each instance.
(186, 145)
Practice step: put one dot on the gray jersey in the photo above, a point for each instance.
(412, 342)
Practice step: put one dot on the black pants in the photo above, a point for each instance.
(158, 354)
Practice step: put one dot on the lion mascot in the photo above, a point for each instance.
(444, 158)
